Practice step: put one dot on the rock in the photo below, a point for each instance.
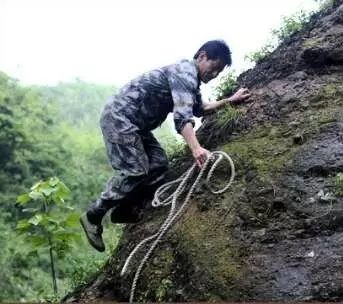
(278, 241)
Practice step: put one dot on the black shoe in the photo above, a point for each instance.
(93, 233)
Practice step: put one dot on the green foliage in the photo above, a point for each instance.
(324, 4)
(40, 137)
(51, 224)
(52, 131)
(162, 290)
(81, 266)
(80, 102)
(171, 143)
(228, 114)
(227, 84)
(339, 184)
(261, 54)
(289, 25)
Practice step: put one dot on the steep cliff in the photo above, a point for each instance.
(277, 233)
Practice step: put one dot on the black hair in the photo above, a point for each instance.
(216, 49)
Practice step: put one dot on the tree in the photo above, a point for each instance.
(49, 228)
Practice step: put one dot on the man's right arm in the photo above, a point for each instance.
(241, 95)
(199, 153)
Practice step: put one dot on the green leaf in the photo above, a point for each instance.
(38, 241)
(72, 220)
(35, 195)
(36, 185)
(53, 181)
(23, 225)
(35, 220)
(33, 253)
(47, 191)
(66, 238)
(23, 199)
(63, 191)
(53, 220)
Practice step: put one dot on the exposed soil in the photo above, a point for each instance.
(277, 233)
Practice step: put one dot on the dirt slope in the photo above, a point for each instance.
(277, 233)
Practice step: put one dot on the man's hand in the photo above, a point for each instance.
(200, 155)
(241, 95)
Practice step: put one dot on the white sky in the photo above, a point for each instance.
(112, 41)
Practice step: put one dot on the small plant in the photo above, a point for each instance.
(324, 4)
(227, 115)
(51, 224)
(227, 84)
(175, 150)
(162, 289)
(339, 184)
(259, 55)
(291, 24)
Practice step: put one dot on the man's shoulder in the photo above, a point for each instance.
(185, 71)
(182, 65)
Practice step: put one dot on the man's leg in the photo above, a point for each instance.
(158, 164)
(130, 209)
(131, 163)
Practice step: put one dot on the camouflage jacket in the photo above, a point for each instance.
(144, 103)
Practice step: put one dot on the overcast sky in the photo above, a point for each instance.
(112, 41)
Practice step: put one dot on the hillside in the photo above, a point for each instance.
(277, 233)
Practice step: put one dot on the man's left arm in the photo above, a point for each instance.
(211, 107)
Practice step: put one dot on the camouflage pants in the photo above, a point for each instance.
(137, 157)
(143, 162)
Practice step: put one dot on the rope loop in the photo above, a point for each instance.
(216, 157)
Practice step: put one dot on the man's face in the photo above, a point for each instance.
(209, 68)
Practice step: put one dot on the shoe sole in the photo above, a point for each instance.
(101, 249)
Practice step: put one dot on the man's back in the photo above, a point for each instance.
(147, 99)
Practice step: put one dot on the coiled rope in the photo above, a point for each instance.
(217, 157)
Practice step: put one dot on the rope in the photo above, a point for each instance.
(173, 214)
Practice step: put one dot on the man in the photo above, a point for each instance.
(127, 121)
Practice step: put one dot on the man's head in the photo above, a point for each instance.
(212, 58)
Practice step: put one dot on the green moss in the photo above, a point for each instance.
(158, 272)
(328, 95)
(211, 251)
(266, 149)
(270, 147)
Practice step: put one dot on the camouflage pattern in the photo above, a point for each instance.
(139, 107)
(143, 160)
(147, 100)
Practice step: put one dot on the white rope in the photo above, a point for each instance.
(173, 214)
